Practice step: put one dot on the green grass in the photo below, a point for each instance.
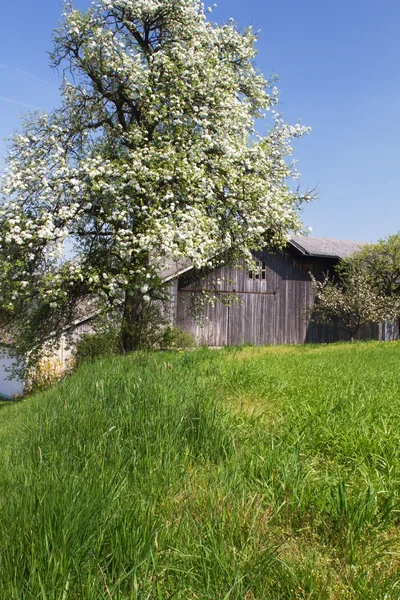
(246, 473)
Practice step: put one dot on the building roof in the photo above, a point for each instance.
(308, 246)
(170, 269)
(324, 247)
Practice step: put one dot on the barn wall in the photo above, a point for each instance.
(274, 310)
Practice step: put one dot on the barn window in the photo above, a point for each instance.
(260, 272)
(263, 270)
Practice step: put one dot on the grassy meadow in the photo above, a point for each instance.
(240, 474)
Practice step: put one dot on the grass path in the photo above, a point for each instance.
(247, 473)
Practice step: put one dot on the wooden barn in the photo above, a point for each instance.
(273, 302)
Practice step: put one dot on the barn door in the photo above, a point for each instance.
(252, 320)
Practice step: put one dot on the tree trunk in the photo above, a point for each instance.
(132, 317)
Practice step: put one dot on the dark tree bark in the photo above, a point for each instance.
(132, 321)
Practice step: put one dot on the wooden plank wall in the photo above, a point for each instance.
(274, 310)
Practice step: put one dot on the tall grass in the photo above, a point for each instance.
(248, 473)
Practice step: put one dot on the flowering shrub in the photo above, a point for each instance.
(351, 300)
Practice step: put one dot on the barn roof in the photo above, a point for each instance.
(319, 247)
(324, 247)
(170, 269)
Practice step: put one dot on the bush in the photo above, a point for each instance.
(46, 373)
(177, 338)
(94, 345)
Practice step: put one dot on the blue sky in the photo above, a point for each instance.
(338, 65)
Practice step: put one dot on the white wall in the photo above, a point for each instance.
(12, 387)
(63, 351)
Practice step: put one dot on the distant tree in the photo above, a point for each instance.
(381, 264)
(152, 154)
(353, 297)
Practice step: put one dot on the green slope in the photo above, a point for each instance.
(254, 473)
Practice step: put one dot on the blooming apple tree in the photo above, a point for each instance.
(351, 300)
(154, 153)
